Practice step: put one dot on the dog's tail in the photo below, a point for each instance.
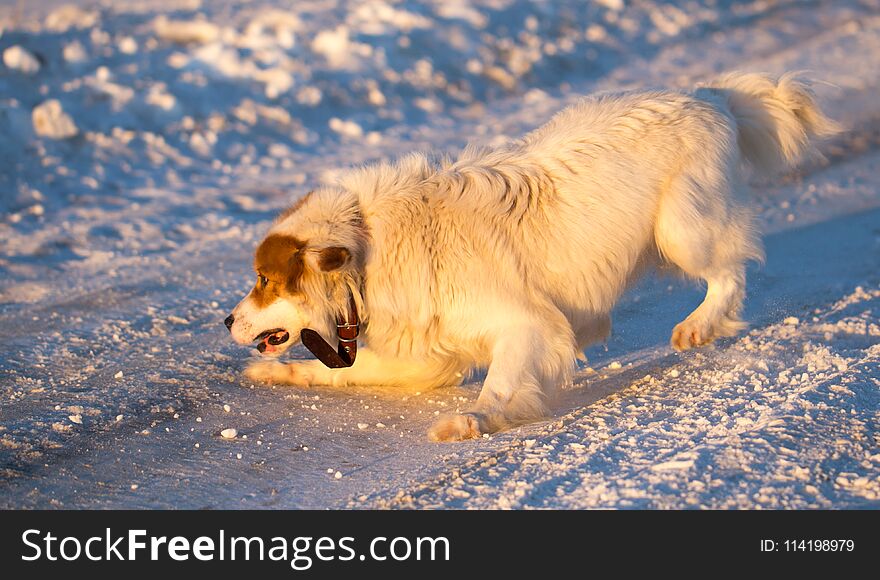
(777, 117)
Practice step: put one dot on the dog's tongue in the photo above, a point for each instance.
(270, 342)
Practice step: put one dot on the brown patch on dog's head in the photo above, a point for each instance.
(279, 260)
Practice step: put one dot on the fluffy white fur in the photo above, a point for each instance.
(511, 259)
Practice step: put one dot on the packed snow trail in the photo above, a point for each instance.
(123, 248)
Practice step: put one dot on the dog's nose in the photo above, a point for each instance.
(228, 322)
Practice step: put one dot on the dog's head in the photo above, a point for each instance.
(305, 269)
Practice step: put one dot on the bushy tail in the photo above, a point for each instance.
(777, 117)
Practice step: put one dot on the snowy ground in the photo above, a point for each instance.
(129, 211)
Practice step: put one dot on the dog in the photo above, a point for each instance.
(512, 258)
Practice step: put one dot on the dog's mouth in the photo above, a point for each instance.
(269, 340)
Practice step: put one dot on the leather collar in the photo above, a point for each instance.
(347, 330)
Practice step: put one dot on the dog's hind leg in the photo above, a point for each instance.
(592, 329)
(702, 230)
(529, 362)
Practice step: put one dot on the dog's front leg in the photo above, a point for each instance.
(274, 372)
(369, 369)
(528, 364)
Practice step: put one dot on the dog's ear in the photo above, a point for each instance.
(332, 258)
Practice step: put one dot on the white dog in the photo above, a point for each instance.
(512, 258)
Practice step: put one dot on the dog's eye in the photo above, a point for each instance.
(263, 281)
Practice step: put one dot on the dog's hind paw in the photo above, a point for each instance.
(455, 428)
(694, 332)
(690, 334)
(277, 373)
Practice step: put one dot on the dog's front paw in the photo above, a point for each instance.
(277, 373)
(455, 428)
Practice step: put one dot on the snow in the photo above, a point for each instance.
(51, 121)
(70, 16)
(335, 45)
(186, 31)
(20, 59)
(346, 128)
(150, 149)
